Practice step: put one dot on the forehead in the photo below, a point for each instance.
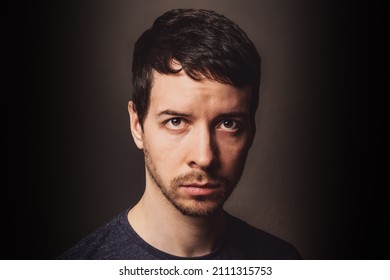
(180, 92)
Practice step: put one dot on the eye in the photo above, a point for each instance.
(229, 125)
(176, 123)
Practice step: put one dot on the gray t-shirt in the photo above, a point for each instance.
(118, 240)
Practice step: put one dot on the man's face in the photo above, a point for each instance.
(195, 138)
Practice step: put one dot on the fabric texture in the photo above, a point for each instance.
(117, 240)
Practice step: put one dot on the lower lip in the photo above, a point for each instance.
(201, 191)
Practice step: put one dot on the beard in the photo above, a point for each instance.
(195, 206)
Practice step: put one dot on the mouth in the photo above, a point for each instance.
(201, 189)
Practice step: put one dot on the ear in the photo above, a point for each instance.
(135, 126)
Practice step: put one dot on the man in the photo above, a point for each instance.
(196, 78)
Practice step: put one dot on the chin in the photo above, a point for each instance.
(199, 208)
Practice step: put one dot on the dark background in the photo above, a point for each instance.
(314, 177)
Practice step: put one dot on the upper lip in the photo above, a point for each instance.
(197, 185)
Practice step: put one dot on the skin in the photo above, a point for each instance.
(195, 137)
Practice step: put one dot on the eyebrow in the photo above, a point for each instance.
(174, 113)
(233, 115)
(188, 115)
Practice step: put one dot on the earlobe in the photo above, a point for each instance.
(135, 126)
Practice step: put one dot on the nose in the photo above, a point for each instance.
(202, 152)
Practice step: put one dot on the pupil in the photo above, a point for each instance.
(175, 122)
(228, 124)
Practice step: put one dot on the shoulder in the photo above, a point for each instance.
(247, 242)
(111, 241)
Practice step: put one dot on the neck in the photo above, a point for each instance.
(164, 227)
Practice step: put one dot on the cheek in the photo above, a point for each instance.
(165, 152)
(233, 155)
